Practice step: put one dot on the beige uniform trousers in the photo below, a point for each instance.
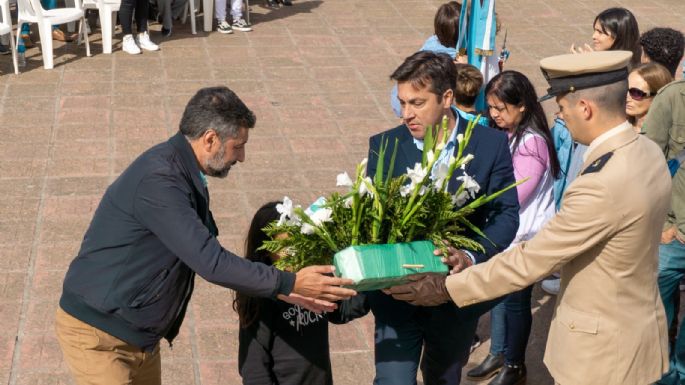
(97, 358)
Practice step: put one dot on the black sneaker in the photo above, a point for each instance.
(241, 25)
(271, 4)
(4, 50)
(287, 2)
(224, 27)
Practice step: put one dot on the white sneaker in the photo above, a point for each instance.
(145, 43)
(551, 286)
(129, 45)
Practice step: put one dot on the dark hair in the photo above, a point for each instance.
(428, 69)
(216, 108)
(664, 46)
(469, 83)
(246, 306)
(446, 23)
(514, 88)
(620, 24)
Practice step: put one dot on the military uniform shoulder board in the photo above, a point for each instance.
(598, 164)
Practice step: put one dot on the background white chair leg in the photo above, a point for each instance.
(13, 48)
(193, 26)
(45, 31)
(82, 29)
(71, 26)
(207, 11)
(106, 28)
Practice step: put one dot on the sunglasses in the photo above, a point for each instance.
(638, 94)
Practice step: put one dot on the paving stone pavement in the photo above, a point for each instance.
(316, 74)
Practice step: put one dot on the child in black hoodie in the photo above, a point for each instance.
(280, 343)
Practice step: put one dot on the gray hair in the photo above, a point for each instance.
(218, 109)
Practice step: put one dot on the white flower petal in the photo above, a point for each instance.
(459, 200)
(344, 180)
(321, 215)
(307, 229)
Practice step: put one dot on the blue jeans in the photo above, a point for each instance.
(671, 270)
(510, 324)
(443, 333)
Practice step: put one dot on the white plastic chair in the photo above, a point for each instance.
(5, 28)
(107, 9)
(31, 11)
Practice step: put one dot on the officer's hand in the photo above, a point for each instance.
(457, 259)
(427, 289)
(316, 305)
(313, 283)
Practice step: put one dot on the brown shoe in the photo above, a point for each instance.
(58, 35)
(28, 43)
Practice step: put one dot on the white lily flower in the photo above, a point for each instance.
(459, 200)
(460, 137)
(417, 174)
(439, 174)
(285, 209)
(423, 190)
(364, 187)
(344, 180)
(467, 158)
(321, 215)
(430, 156)
(348, 202)
(307, 229)
(470, 185)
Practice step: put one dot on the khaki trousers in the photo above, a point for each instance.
(97, 358)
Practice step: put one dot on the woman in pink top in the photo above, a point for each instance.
(513, 107)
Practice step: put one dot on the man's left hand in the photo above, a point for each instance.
(427, 289)
(458, 260)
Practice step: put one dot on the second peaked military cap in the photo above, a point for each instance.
(573, 72)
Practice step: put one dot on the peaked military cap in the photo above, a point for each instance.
(573, 72)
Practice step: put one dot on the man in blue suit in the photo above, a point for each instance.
(426, 83)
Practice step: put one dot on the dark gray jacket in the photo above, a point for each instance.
(151, 233)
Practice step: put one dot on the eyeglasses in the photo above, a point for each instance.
(638, 94)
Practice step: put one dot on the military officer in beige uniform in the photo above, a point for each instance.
(609, 326)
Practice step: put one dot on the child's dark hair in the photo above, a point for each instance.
(446, 23)
(244, 305)
(515, 88)
(469, 83)
(664, 46)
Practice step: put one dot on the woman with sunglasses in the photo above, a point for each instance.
(643, 83)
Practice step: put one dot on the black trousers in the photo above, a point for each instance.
(126, 11)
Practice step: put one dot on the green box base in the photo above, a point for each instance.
(374, 267)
